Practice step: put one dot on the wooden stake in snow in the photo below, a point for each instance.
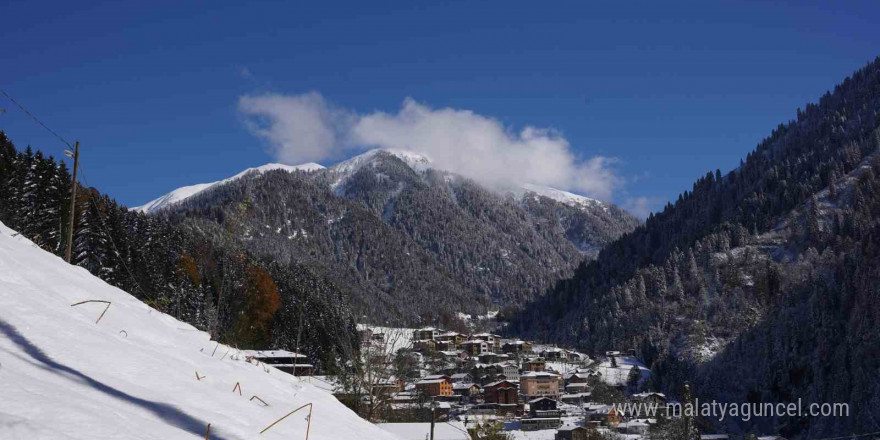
(237, 387)
(208, 432)
(95, 301)
(261, 400)
(309, 418)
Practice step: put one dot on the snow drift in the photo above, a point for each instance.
(133, 374)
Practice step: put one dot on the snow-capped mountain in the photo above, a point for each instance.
(183, 193)
(392, 227)
(341, 171)
(136, 372)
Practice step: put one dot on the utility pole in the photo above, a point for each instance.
(298, 333)
(433, 405)
(72, 199)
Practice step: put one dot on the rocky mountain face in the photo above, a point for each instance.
(760, 285)
(408, 242)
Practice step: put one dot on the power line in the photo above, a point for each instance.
(36, 120)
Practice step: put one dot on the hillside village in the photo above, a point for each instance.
(526, 389)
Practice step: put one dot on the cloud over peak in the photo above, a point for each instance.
(302, 128)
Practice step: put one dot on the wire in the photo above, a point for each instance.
(35, 119)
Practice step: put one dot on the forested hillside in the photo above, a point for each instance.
(207, 280)
(408, 242)
(757, 285)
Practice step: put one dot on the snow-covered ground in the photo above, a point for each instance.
(420, 431)
(618, 375)
(133, 374)
(395, 338)
(542, 434)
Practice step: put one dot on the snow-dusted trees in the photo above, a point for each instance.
(200, 277)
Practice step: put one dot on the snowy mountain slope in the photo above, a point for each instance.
(183, 193)
(564, 197)
(341, 171)
(419, 163)
(133, 374)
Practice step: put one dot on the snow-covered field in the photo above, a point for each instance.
(618, 375)
(133, 374)
(395, 338)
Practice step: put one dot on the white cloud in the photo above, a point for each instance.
(302, 128)
(641, 207)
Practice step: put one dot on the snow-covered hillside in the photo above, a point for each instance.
(564, 197)
(181, 194)
(133, 374)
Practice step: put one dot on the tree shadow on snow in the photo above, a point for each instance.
(164, 411)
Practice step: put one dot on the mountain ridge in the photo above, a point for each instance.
(394, 228)
(417, 161)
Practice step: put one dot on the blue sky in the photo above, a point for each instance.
(152, 89)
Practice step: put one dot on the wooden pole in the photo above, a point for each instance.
(72, 203)
(298, 333)
(309, 425)
(432, 419)
(289, 414)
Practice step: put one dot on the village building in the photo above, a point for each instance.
(426, 333)
(286, 361)
(540, 384)
(575, 399)
(517, 346)
(553, 354)
(435, 386)
(572, 433)
(577, 378)
(445, 345)
(503, 392)
(475, 347)
(383, 389)
(577, 388)
(494, 341)
(425, 345)
(536, 364)
(488, 358)
(650, 399)
(510, 372)
(635, 426)
(544, 407)
(455, 337)
(461, 378)
(605, 414)
(466, 389)
(535, 423)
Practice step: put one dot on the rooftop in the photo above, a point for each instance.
(267, 354)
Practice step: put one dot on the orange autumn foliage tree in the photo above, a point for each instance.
(254, 326)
